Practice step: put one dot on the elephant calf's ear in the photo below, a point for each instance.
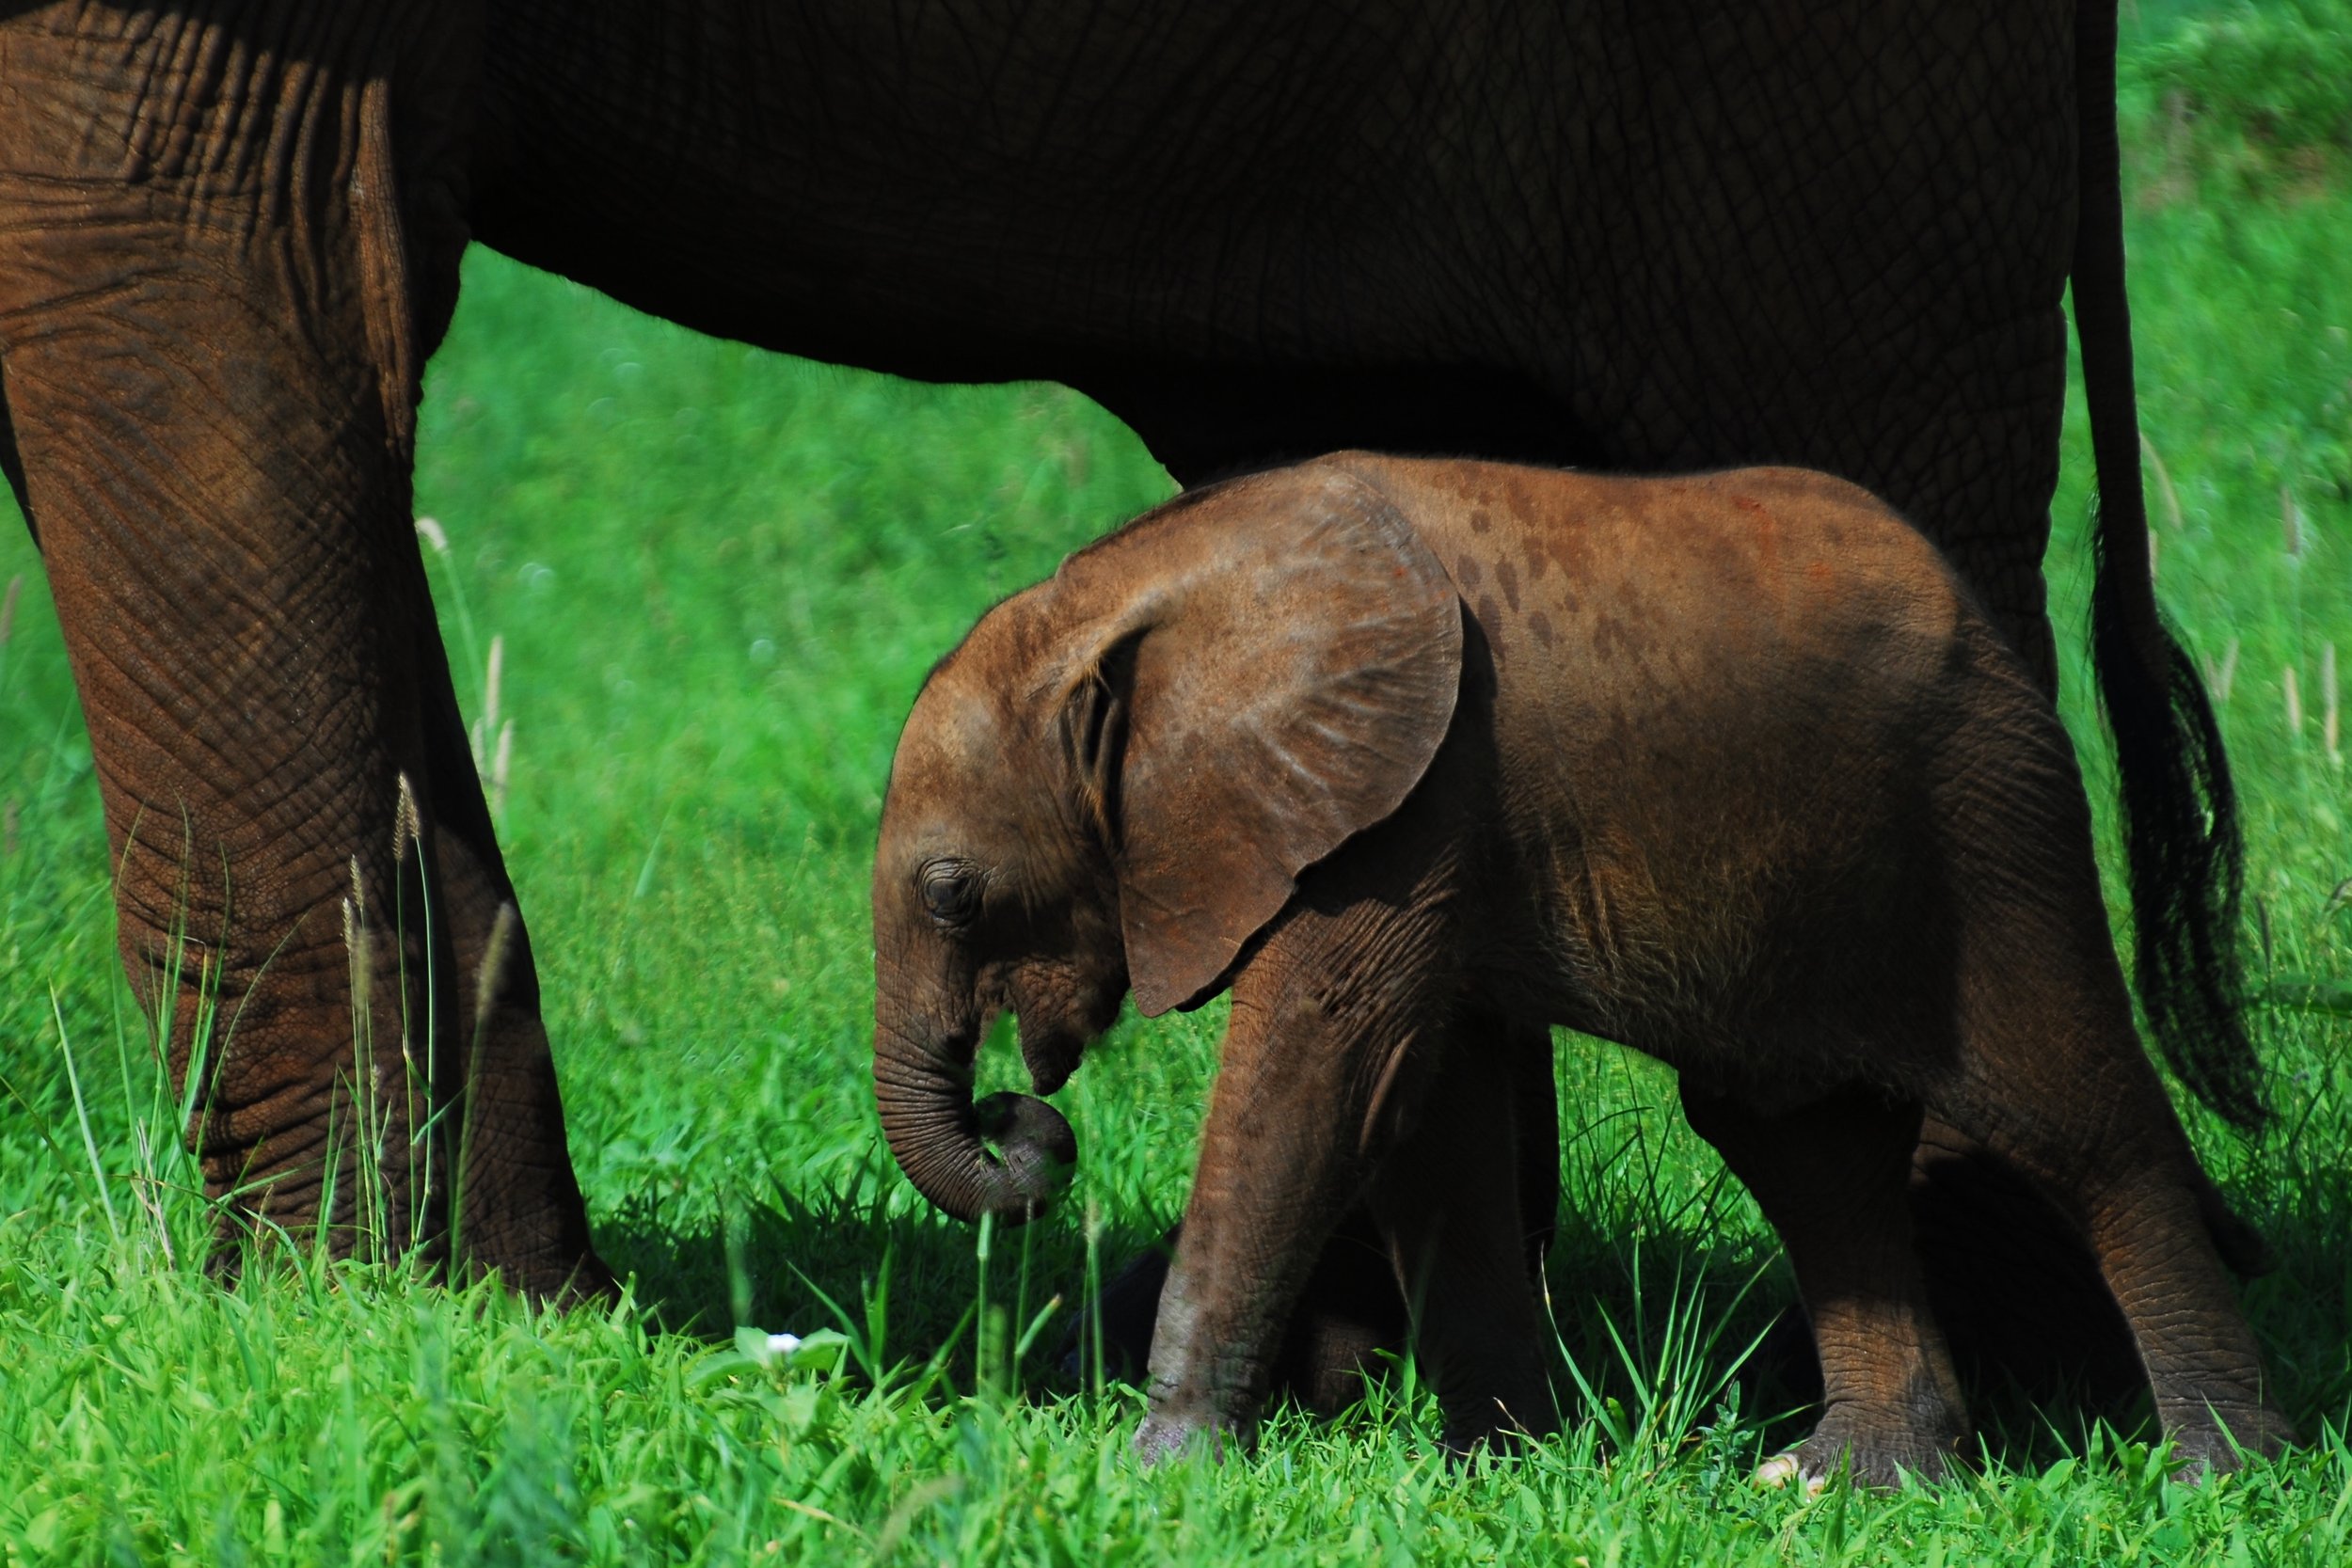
(1299, 670)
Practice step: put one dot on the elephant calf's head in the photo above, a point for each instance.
(990, 895)
(1116, 779)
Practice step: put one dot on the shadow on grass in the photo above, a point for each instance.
(910, 1283)
(1679, 1331)
(907, 1283)
(2302, 1308)
(2301, 1311)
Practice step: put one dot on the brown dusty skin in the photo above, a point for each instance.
(1657, 236)
(1731, 770)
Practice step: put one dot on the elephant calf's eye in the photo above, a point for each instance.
(951, 891)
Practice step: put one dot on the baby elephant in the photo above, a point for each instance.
(1417, 757)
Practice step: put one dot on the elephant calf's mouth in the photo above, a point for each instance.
(1052, 1054)
(1032, 1141)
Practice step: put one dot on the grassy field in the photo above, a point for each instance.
(716, 576)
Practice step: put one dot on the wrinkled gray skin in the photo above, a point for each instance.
(1730, 770)
(1649, 236)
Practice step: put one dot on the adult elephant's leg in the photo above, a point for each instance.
(519, 1206)
(11, 462)
(224, 249)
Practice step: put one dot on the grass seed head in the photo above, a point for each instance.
(485, 992)
(2328, 727)
(490, 684)
(2221, 678)
(499, 763)
(407, 827)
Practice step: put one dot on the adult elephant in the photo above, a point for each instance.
(1661, 236)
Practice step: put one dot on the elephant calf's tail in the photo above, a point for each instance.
(2184, 856)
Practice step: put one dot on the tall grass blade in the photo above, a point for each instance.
(81, 1117)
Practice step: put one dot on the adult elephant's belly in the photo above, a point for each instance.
(1647, 237)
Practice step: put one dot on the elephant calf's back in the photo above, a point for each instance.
(1743, 707)
(1628, 603)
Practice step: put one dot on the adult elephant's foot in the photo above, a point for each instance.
(1167, 1434)
(591, 1283)
(1495, 1431)
(2216, 1441)
(1872, 1449)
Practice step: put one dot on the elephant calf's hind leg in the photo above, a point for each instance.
(2105, 1145)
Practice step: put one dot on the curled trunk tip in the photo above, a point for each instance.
(943, 1141)
(1037, 1153)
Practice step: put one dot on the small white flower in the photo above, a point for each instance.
(430, 532)
(783, 1344)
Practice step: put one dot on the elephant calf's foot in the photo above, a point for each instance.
(1871, 1448)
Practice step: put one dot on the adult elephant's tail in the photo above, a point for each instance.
(2186, 858)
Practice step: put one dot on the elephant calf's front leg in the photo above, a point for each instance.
(1276, 1173)
(1350, 1314)
(1315, 1058)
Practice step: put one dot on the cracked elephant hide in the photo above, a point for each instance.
(1647, 237)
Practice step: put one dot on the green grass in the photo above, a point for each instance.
(717, 576)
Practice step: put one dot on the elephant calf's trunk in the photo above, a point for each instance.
(941, 1140)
